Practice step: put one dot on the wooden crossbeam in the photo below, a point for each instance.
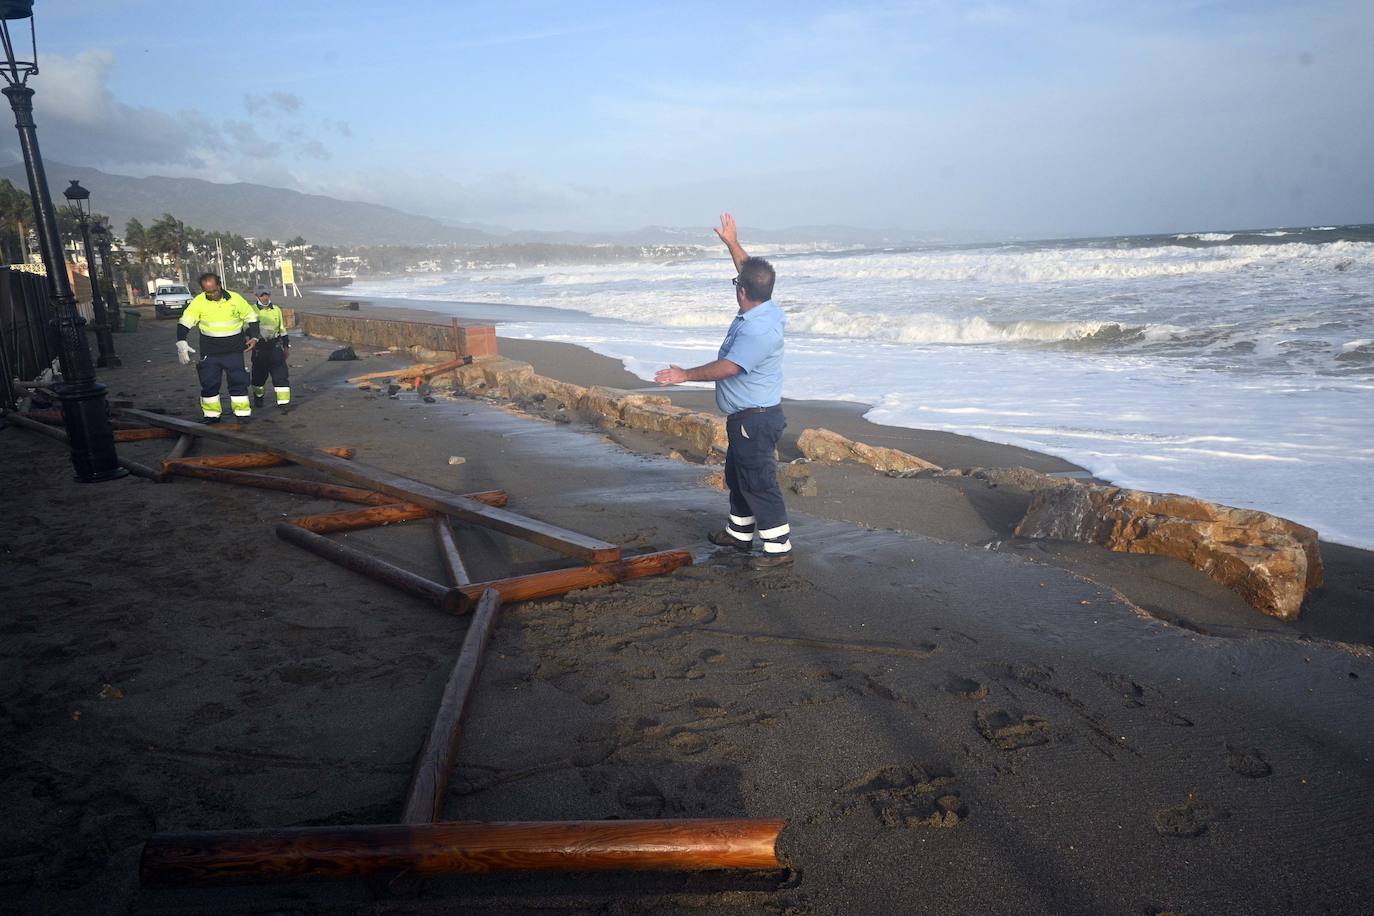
(407, 490)
(425, 797)
(454, 566)
(448, 599)
(245, 460)
(282, 484)
(559, 581)
(458, 848)
(376, 516)
(136, 468)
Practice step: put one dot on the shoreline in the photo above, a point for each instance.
(970, 513)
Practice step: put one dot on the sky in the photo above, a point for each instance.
(1051, 118)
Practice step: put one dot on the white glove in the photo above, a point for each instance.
(184, 352)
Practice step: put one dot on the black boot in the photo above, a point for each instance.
(724, 538)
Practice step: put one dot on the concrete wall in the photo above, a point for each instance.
(472, 338)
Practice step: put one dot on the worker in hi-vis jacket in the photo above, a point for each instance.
(228, 326)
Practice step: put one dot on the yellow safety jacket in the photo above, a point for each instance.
(223, 322)
(271, 321)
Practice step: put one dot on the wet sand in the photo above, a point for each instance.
(946, 727)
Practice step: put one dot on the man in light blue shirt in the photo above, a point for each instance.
(748, 377)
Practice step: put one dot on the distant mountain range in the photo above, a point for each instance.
(259, 211)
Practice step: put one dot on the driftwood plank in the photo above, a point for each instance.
(425, 797)
(458, 847)
(408, 490)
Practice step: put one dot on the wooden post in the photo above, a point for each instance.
(52, 432)
(186, 468)
(457, 848)
(388, 514)
(182, 448)
(403, 488)
(142, 434)
(370, 566)
(448, 552)
(425, 797)
(558, 581)
(252, 459)
(457, 340)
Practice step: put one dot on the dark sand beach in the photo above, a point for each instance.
(950, 720)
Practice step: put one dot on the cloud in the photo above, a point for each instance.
(273, 103)
(81, 121)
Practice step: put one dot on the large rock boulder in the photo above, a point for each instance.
(1270, 561)
(702, 432)
(825, 445)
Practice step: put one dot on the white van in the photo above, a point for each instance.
(170, 301)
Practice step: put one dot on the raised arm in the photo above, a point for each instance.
(729, 234)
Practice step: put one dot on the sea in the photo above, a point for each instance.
(1233, 366)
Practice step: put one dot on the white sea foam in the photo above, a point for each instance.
(1207, 236)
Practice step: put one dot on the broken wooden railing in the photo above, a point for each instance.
(420, 844)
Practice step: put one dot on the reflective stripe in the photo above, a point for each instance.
(240, 404)
(777, 532)
(283, 395)
(739, 535)
(742, 522)
(770, 547)
(259, 390)
(211, 407)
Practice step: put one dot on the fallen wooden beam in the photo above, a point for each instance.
(141, 434)
(245, 460)
(444, 597)
(425, 797)
(420, 370)
(558, 581)
(282, 484)
(182, 448)
(52, 432)
(407, 490)
(454, 566)
(375, 516)
(458, 848)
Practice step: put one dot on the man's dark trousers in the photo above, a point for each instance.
(751, 475)
(231, 366)
(269, 359)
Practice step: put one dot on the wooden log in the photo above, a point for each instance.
(138, 469)
(245, 460)
(558, 581)
(370, 566)
(425, 797)
(405, 489)
(182, 448)
(389, 514)
(454, 566)
(282, 484)
(458, 847)
(142, 434)
(418, 371)
(443, 367)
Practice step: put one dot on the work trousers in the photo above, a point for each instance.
(230, 365)
(751, 476)
(269, 359)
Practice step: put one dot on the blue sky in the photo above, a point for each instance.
(1044, 118)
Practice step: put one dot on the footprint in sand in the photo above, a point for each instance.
(641, 797)
(965, 687)
(688, 742)
(1009, 731)
(918, 795)
(1248, 762)
(1192, 818)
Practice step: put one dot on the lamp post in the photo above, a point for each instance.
(84, 411)
(107, 266)
(81, 200)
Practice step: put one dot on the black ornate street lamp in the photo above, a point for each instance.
(107, 266)
(84, 411)
(81, 199)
